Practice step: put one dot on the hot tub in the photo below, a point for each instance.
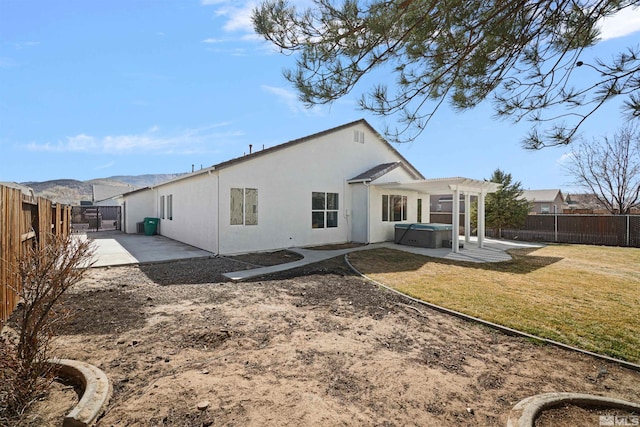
(429, 235)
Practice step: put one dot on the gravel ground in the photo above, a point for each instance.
(313, 346)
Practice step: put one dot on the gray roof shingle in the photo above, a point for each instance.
(375, 172)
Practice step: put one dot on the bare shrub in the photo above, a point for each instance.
(45, 273)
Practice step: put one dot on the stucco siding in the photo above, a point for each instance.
(382, 231)
(285, 181)
(193, 214)
(138, 206)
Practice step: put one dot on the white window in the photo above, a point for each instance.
(170, 206)
(545, 209)
(394, 208)
(244, 206)
(324, 210)
(162, 207)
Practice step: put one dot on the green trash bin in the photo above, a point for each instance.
(151, 226)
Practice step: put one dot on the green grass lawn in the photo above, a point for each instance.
(584, 296)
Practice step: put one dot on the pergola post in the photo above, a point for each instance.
(455, 241)
(481, 219)
(467, 217)
(426, 208)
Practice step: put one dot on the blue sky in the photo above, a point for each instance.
(91, 89)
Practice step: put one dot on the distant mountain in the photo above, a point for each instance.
(71, 191)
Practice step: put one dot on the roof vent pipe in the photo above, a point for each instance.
(250, 148)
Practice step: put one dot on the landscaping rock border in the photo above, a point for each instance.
(525, 412)
(96, 391)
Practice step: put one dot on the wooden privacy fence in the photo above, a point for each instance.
(25, 221)
(607, 230)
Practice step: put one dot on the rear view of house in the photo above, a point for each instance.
(345, 184)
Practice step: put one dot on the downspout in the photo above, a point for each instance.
(347, 212)
(368, 239)
(155, 204)
(218, 219)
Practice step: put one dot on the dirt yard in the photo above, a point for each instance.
(313, 346)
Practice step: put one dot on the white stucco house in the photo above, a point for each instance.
(345, 184)
(545, 201)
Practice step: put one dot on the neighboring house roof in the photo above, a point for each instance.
(104, 191)
(542, 195)
(139, 190)
(26, 191)
(380, 170)
(404, 162)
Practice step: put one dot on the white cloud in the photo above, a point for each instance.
(238, 16)
(8, 62)
(197, 140)
(23, 45)
(565, 158)
(238, 51)
(621, 24)
(290, 99)
(105, 166)
(252, 37)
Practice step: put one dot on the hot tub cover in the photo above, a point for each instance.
(434, 226)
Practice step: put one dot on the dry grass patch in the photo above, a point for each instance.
(585, 296)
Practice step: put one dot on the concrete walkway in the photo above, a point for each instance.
(114, 248)
(493, 251)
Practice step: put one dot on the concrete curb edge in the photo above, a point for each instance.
(503, 329)
(525, 412)
(96, 391)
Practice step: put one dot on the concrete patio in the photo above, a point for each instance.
(114, 248)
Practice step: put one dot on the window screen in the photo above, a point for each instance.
(251, 203)
(244, 206)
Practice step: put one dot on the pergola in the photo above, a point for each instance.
(454, 187)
